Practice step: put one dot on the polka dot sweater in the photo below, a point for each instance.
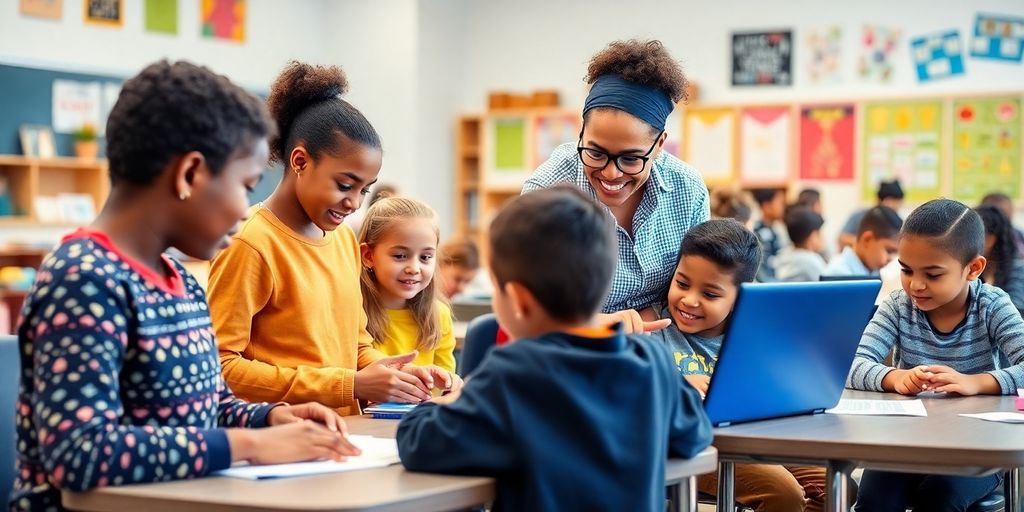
(120, 378)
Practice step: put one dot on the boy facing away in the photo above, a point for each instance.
(571, 416)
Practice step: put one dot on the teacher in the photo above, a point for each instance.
(619, 159)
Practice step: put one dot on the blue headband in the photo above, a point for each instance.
(650, 105)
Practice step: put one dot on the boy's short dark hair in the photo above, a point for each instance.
(559, 244)
(169, 109)
(953, 226)
(883, 221)
(808, 197)
(726, 243)
(801, 222)
(765, 195)
(890, 189)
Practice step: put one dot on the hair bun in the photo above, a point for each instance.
(297, 87)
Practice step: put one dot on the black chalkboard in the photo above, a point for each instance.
(762, 58)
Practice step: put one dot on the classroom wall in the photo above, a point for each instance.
(531, 44)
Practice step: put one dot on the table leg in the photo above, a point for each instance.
(726, 486)
(1011, 490)
(675, 497)
(688, 494)
(837, 476)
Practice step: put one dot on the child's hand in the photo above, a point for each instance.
(632, 322)
(948, 380)
(699, 382)
(908, 382)
(292, 442)
(284, 414)
(448, 397)
(383, 381)
(434, 376)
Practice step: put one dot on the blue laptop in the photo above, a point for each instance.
(787, 349)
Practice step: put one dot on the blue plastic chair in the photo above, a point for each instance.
(10, 374)
(481, 336)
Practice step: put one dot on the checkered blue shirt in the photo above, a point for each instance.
(675, 200)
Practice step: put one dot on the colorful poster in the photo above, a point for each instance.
(51, 9)
(998, 37)
(824, 49)
(709, 142)
(937, 55)
(827, 142)
(76, 104)
(549, 132)
(162, 16)
(986, 147)
(223, 19)
(878, 44)
(762, 58)
(766, 141)
(903, 140)
(108, 13)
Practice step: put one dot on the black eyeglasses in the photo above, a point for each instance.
(626, 163)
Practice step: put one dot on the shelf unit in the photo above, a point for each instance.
(29, 178)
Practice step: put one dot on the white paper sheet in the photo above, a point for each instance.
(377, 453)
(879, 407)
(1002, 417)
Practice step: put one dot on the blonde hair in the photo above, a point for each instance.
(460, 252)
(379, 219)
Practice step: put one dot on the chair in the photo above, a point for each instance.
(992, 503)
(10, 374)
(481, 336)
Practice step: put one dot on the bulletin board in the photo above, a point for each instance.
(986, 147)
(903, 140)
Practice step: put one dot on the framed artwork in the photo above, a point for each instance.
(37, 141)
(107, 13)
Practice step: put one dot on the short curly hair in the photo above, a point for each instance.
(305, 100)
(170, 109)
(642, 62)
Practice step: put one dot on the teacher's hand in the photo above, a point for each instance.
(632, 322)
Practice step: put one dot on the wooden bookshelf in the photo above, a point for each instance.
(30, 178)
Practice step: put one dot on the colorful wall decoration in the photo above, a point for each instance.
(709, 142)
(827, 142)
(762, 58)
(937, 55)
(223, 19)
(986, 147)
(878, 45)
(766, 142)
(903, 140)
(998, 37)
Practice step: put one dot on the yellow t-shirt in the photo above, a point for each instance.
(288, 314)
(403, 333)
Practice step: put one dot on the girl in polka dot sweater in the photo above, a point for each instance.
(120, 378)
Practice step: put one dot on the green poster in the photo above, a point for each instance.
(903, 140)
(509, 144)
(986, 147)
(162, 16)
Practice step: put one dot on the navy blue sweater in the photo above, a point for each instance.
(564, 423)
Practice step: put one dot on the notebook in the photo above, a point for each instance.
(787, 349)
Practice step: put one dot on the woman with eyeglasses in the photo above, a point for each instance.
(619, 159)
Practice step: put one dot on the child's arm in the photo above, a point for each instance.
(470, 434)
(444, 354)
(881, 334)
(240, 286)
(1006, 330)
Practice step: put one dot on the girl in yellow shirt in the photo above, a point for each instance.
(398, 243)
(284, 295)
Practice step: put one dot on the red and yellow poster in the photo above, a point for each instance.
(827, 142)
(223, 19)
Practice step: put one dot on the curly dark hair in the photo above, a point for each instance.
(305, 100)
(1005, 249)
(642, 62)
(170, 109)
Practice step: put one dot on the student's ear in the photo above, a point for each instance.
(298, 160)
(867, 236)
(366, 254)
(523, 302)
(975, 267)
(190, 172)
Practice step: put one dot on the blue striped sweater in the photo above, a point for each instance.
(992, 325)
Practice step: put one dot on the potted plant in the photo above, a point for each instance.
(86, 145)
